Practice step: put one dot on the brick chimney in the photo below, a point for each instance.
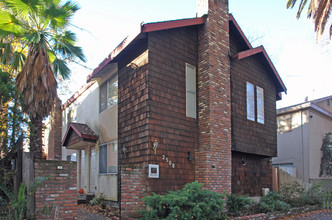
(54, 140)
(213, 156)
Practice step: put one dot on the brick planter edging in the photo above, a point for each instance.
(256, 216)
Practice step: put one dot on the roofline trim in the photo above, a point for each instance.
(84, 136)
(247, 53)
(303, 106)
(145, 28)
(232, 19)
(77, 94)
(111, 56)
(159, 26)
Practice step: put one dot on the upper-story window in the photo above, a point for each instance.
(255, 107)
(108, 94)
(190, 91)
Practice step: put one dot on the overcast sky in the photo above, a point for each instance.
(304, 65)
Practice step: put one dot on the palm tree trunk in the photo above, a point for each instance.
(36, 143)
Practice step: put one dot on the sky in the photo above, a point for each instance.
(303, 64)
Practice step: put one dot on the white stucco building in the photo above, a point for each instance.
(301, 129)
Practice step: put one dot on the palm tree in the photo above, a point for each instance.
(318, 10)
(41, 28)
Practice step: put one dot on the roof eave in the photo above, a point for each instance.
(261, 50)
(145, 28)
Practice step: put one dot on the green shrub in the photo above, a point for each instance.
(192, 202)
(294, 194)
(98, 200)
(272, 202)
(319, 192)
(17, 205)
(236, 203)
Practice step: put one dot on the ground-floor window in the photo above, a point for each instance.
(108, 157)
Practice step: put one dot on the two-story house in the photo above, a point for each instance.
(181, 101)
(301, 130)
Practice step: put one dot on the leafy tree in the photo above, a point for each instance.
(40, 27)
(326, 161)
(318, 10)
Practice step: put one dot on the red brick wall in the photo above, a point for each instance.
(133, 189)
(54, 139)
(213, 157)
(249, 179)
(59, 190)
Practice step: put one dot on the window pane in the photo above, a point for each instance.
(103, 97)
(112, 162)
(112, 92)
(260, 104)
(191, 104)
(190, 91)
(250, 102)
(284, 123)
(103, 159)
(190, 78)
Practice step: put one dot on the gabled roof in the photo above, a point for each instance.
(260, 50)
(165, 25)
(306, 105)
(145, 28)
(78, 134)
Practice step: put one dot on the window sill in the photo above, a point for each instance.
(107, 174)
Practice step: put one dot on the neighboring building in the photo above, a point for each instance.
(183, 100)
(301, 129)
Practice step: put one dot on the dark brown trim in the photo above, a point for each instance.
(159, 26)
(257, 50)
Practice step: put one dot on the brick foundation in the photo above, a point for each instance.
(133, 189)
(59, 190)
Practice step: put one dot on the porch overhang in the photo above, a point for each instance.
(79, 136)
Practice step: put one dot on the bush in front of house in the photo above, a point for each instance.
(294, 194)
(191, 202)
(236, 203)
(272, 202)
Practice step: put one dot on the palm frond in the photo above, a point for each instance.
(18, 7)
(290, 3)
(60, 67)
(301, 7)
(64, 44)
(322, 16)
(9, 24)
(18, 60)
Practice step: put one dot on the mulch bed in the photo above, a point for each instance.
(107, 211)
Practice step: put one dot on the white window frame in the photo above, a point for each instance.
(260, 104)
(255, 103)
(250, 101)
(107, 84)
(100, 153)
(191, 95)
